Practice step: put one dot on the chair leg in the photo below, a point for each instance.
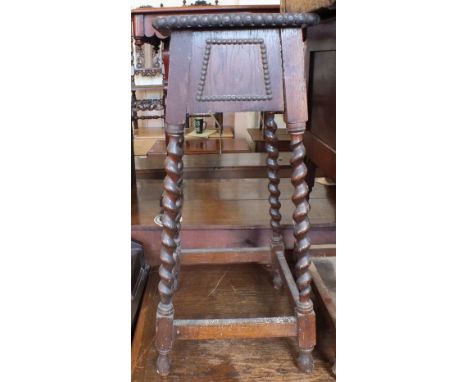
(172, 207)
(304, 308)
(273, 187)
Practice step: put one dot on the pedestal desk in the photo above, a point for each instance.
(232, 63)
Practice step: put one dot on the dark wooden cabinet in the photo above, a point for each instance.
(320, 137)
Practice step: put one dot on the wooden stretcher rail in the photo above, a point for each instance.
(225, 237)
(225, 255)
(287, 276)
(265, 327)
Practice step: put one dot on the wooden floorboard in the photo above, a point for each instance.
(222, 292)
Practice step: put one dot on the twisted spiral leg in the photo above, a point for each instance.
(172, 203)
(304, 307)
(179, 202)
(273, 187)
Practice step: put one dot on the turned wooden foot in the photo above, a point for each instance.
(305, 361)
(163, 364)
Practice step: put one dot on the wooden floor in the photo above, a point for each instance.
(241, 290)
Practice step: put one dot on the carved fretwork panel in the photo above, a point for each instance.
(235, 71)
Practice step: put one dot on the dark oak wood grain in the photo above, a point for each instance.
(320, 138)
(228, 75)
(249, 289)
(236, 328)
(245, 223)
(230, 203)
(213, 69)
(177, 96)
(142, 18)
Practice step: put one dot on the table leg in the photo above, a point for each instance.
(273, 186)
(304, 307)
(179, 203)
(171, 219)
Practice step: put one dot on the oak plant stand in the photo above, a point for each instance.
(228, 63)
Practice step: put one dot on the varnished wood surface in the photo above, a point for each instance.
(211, 161)
(144, 139)
(251, 294)
(295, 99)
(323, 155)
(206, 9)
(158, 133)
(236, 328)
(258, 135)
(320, 138)
(228, 132)
(214, 166)
(142, 18)
(235, 70)
(142, 146)
(204, 146)
(146, 87)
(208, 237)
(244, 222)
(258, 138)
(232, 202)
(323, 271)
(149, 132)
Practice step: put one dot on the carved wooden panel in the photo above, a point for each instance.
(222, 56)
(235, 71)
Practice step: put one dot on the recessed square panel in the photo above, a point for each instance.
(234, 70)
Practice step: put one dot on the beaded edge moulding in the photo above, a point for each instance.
(246, 20)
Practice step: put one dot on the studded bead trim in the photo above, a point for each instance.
(237, 20)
